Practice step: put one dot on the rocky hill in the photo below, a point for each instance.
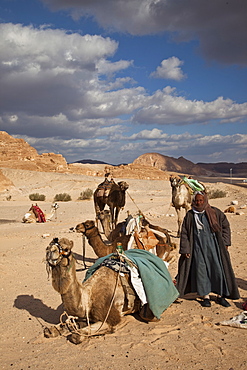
(184, 166)
(17, 153)
(170, 164)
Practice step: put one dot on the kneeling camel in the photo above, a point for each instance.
(99, 303)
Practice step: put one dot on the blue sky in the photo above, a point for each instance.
(111, 80)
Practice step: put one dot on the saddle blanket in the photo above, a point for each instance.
(155, 277)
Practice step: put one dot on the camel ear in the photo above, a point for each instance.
(66, 243)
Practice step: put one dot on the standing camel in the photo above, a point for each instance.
(181, 198)
(114, 198)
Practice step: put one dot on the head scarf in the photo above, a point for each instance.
(210, 212)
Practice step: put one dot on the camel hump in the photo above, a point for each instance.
(104, 188)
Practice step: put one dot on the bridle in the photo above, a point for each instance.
(61, 253)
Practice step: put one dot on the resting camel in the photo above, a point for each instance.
(98, 303)
(94, 238)
(164, 247)
(31, 217)
(114, 198)
(181, 198)
(162, 242)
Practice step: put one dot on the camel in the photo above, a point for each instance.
(31, 217)
(181, 198)
(98, 304)
(164, 247)
(111, 194)
(102, 248)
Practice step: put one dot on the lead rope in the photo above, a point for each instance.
(140, 212)
(112, 300)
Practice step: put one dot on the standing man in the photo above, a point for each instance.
(204, 266)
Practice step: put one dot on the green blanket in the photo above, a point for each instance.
(156, 279)
(194, 184)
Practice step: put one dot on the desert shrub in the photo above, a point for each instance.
(62, 197)
(213, 194)
(86, 194)
(37, 197)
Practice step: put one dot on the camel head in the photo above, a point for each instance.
(104, 215)
(123, 185)
(57, 250)
(174, 180)
(84, 226)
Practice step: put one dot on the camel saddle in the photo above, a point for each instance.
(39, 214)
(104, 188)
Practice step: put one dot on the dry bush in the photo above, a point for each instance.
(62, 197)
(213, 194)
(37, 197)
(86, 194)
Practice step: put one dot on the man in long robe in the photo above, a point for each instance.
(204, 266)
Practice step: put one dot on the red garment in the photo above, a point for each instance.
(38, 214)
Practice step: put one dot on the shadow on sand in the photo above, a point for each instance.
(38, 309)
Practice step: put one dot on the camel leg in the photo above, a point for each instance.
(180, 219)
(117, 209)
(95, 329)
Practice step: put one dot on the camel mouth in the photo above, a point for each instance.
(53, 257)
(55, 252)
(80, 228)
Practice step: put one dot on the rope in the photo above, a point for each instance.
(140, 212)
(133, 201)
(83, 251)
(114, 294)
(112, 300)
(70, 323)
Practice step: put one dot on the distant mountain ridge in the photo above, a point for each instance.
(183, 165)
(17, 153)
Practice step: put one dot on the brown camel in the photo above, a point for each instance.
(100, 247)
(114, 197)
(98, 303)
(162, 241)
(181, 198)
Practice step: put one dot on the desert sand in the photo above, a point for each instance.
(188, 336)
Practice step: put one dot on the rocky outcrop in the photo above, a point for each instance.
(17, 153)
(164, 163)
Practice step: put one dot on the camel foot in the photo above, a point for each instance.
(89, 331)
(57, 330)
(51, 332)
(76, 338)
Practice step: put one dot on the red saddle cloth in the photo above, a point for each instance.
(38, 213)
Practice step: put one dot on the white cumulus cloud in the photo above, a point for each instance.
(170, 69)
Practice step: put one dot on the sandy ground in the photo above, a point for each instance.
(187, 336)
